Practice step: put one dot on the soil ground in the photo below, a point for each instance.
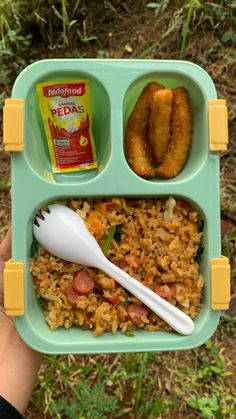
(129, 29)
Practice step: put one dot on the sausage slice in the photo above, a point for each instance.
(165, 290)
(135, 313)
(83, 283)
(123, 263)
(72, 294)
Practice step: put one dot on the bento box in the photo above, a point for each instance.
(115, 87)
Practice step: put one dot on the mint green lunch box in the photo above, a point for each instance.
(115, 87)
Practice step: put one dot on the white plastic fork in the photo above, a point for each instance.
(63, 233)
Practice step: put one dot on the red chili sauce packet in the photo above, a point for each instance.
(67, 117)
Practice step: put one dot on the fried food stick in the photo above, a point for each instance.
(180, 135)
(137, 141)
(159, 123)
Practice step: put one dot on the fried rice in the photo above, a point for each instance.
(157, 244)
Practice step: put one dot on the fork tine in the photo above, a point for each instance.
(45, 214)
(37, 221)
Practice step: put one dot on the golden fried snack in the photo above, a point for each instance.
(180, 135)
(138, 148)
(159, 123)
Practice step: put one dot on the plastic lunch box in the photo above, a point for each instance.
(115, 87)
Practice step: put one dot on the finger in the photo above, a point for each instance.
(5, 246)
(180, 137)
(137, 145)
(159, 122)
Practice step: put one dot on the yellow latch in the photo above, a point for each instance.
(13, 124)
(218, 125)
(220, 283)
(14, 288)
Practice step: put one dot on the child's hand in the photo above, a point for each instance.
(19, 364)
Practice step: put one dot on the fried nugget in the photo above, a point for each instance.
(159, 123)
(138, 148)
(180, 135)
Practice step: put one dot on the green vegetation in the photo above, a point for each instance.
(30, 30)
(206, 406)
(108, 240)
(198, 383)
(142, 385)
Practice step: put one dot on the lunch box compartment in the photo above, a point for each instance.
(115, 87)
(77, 340)
(36, 147)
(198, 152)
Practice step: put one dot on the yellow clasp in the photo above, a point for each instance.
(14, 288)
(218, 125)
(13, 125)
(220, 283)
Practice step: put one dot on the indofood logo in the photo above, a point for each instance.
(64, 90)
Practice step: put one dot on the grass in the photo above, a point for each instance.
(153, 46)
(141, 385)
(29, 30)
(191, 5)
(198, 383)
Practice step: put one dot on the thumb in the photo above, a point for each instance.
(5, 247)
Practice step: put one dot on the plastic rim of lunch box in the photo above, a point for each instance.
(115, 86)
